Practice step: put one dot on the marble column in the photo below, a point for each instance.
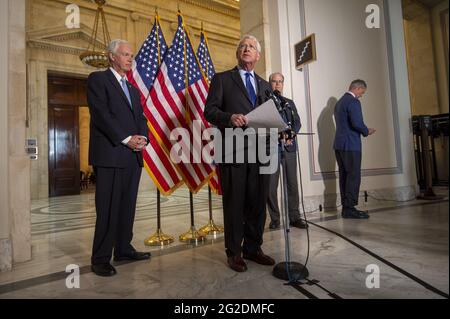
(254, 21)
(15, 231)
(5, 242)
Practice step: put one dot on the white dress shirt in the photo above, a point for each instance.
(252, 78)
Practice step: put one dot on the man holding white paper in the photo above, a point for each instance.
(232, 95)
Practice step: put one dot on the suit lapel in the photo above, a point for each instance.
(237, 78)
(116, 84)
(259, 90)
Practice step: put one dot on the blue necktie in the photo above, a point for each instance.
(125, 90)
(250, 88)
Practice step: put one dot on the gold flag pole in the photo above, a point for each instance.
(192, 236)
(158, 238)
(211, 228)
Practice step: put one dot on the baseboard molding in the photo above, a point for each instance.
(331, 202)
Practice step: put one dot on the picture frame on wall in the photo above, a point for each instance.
(305, 52)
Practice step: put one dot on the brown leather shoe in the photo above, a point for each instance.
(237, 263)
(260, 258)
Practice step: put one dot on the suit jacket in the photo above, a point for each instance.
(349, 124)
(113, 120)
(292, 118)
(228, 95)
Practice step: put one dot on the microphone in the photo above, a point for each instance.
(282, 100)
(271, 96)
(284, 106)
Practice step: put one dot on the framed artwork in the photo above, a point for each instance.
(305, 52)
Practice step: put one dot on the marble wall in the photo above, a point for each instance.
(5, 244)
(15, 244)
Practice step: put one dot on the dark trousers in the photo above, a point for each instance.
(290, 165)
(245, 194)
(115, 203)
(349, 177)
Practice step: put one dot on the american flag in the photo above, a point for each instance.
(177, 98)
(142, 75)
(204, 57)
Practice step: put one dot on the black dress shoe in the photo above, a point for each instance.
(362, 213)
(354, 214)
(299, 223)
(260, 258)
(237, 263)
(105, 270)
(135, 255)
(274, 225)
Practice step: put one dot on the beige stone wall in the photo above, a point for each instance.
(51, 47)
(421, 61)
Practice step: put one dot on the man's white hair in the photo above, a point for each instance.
(276, 73)
(251, 37)
(114, 45)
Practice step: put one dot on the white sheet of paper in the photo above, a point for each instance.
(266, 116)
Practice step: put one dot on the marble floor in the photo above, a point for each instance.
(406, 241)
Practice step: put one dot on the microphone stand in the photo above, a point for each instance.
(287, 270)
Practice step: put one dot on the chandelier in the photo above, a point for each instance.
(94, 55)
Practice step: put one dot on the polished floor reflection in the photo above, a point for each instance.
(412, 236)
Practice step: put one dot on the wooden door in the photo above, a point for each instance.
(64, 155)
(65, 95)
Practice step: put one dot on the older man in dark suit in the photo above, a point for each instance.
(118, 133)
(232, 95)
(347, 145)
(288, 156)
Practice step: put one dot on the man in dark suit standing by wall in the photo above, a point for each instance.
(232, 95)
(347, 145)
(118, 132)
(289, 157)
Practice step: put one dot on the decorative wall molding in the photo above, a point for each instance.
(226, 7)
(53, 39)
(215, 32)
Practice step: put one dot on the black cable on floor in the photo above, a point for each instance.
(400, 270)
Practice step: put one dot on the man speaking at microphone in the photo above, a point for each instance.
(232, 95)
(288, 156)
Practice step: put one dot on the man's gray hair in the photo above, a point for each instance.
(251, 37)
(356, 84)
(114, 45)
(276, 73)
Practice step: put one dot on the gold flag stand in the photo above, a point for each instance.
(211, 228)
(192, 236)
(158, 238)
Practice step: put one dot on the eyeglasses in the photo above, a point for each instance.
(277, 81)
(244, 47)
